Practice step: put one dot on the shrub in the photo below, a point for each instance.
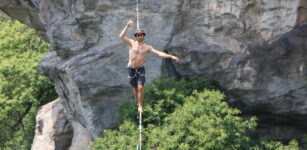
(185, 114)
(162, 96)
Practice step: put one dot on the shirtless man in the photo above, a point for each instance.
(137, 51)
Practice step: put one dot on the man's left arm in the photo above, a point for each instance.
(164, 55)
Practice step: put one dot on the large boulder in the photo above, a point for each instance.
(53, 130)
(254, 49)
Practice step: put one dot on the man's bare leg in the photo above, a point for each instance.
(140, 97)
(135, 92)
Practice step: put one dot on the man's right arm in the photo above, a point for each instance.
(123, 36)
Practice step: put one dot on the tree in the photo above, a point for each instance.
(187, 115)
(22, 89)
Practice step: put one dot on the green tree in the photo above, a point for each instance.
(22, 89)
(162, 96)
(186, 115)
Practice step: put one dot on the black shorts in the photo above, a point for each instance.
(136, 76)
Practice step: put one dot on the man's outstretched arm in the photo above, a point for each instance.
(123, 36)
(164, 55)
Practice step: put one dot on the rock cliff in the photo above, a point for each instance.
(256, 50)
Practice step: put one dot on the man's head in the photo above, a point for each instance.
(139, 34)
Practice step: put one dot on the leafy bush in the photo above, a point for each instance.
(162, 96)
(185, 115)
(304, 141)
(22, 89)
(202, 122)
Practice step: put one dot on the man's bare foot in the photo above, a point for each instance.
(140, 108)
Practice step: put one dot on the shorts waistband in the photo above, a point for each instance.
(143, 66)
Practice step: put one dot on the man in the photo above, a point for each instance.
(137, 51)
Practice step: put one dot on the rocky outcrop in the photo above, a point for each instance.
(256, 55)
(254, 49)
(53, 130)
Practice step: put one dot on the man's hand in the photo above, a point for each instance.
(129, 24)
(175, 58)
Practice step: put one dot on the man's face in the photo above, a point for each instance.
(140, 37)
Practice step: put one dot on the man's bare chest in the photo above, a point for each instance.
(139, 49)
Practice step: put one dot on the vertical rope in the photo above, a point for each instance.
(139, 145)
(137, 14)
(140, 131)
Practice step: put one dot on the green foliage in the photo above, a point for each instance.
(22, 89)
(185, 115)
(204, 121)
(304, 141)
(163, 95)
(125, 138)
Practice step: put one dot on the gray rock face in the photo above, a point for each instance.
(53, 130)
(254, 49)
